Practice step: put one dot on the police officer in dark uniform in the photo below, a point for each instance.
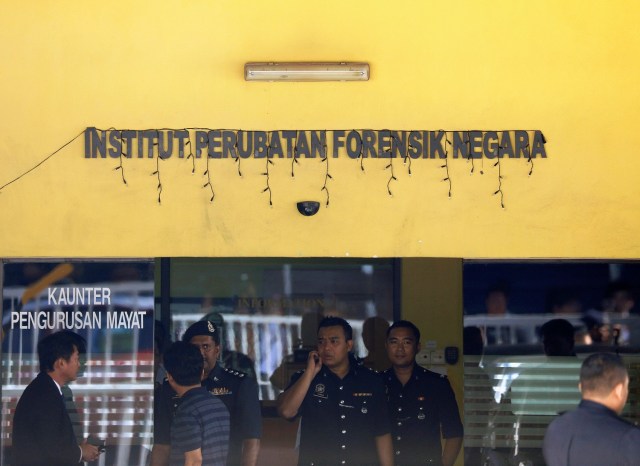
(594, 433)
(342, 404)
(422, 404)
(238, 392)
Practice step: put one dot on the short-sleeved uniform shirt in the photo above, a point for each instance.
(342, 417)
(201, 421)
(589, 436)
(238, 392)
(421, 410)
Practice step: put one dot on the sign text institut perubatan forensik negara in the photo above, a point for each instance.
(222, 143)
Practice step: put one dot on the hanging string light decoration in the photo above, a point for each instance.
(529, 149)
(114, 143)
(499, 190)
(407, 157)
(121, 166)
(467, 143)
(446, 160)
(295, 155)
(190, 155)
(529, 159)
(361, 154)
(235, 151)
(157, 174)
(207, 173)
(327, 175)
(193, 161)
(389, 151)
(266, 173)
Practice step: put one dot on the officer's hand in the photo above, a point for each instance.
(89, 452)
(314, 364)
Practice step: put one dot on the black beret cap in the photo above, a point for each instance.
(202, 327)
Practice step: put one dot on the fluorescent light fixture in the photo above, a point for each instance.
(302, 71)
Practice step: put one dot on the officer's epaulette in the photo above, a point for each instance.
(433, 373)
(370, 369)
(236, 373)
(359, 364)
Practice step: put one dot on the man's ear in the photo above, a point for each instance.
(59, 363)
(619, 391)
(418, 347)
(349, 345)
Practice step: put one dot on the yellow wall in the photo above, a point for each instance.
(567, 68)
(432, 299)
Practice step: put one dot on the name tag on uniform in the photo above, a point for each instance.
(220, 391)
(363, 394)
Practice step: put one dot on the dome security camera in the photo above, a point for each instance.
(308, 208)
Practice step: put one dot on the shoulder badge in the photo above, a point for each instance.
(234, 372)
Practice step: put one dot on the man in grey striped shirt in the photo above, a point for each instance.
(200, 427)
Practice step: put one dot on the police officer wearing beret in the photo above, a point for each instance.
(422, 404)
(342, 404)
(238, 392)
(595, 434)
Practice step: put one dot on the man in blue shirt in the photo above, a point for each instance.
(594, 433)
(200, 427)
(236, 390)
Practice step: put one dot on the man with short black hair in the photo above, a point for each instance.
(237, 391)
(42, 429)
(594, 433)
(200, 428)
(422, 404)
(558, 338)
(342, 404)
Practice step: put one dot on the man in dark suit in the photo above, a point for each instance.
(595, 434)
(42, 430)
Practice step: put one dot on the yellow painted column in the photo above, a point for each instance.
(432, 299)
